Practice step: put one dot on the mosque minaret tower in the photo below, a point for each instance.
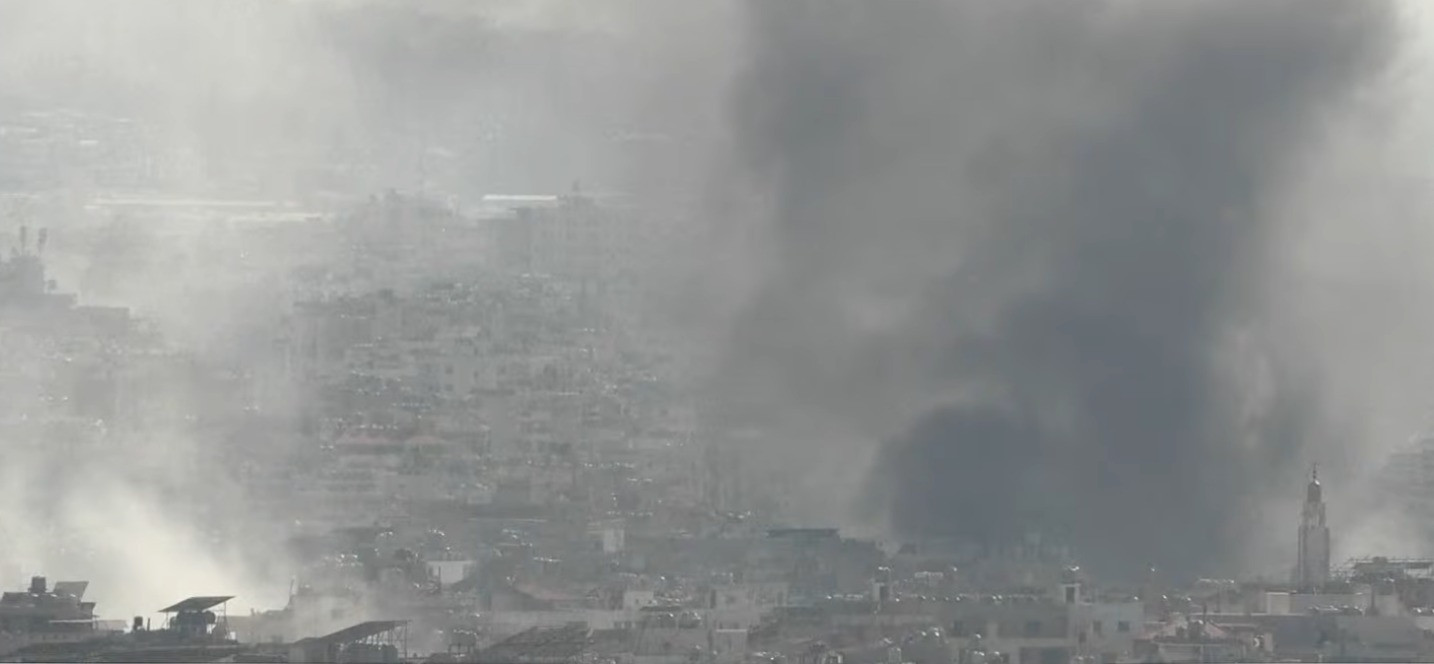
(1312, 566)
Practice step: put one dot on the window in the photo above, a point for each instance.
(1122, 627)
(958, 628)
(1097, 628)
(1033, 628)
(1070, 594)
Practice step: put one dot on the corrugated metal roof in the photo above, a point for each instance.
(357, 632)
(197, 603)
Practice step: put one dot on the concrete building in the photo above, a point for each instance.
(46, 615)
(1198, 640)
(1107, 630)
(1407, 482)
(1031, 633)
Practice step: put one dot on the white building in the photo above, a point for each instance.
(1063, 627)
(1107, 630)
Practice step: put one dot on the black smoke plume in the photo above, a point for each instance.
(1025, 246)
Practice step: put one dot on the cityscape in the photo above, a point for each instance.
(722, 332)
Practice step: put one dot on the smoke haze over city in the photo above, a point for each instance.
(339, 285)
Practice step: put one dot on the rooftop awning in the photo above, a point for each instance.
(199, 603)
(357, 632)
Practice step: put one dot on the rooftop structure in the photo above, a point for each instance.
(1382, 567)
(539, 646)
(372, 641)
(193, 618)
(22, 277)
(199, 603)
(44, 615)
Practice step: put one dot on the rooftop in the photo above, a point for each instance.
(353, 633)
(198, 603)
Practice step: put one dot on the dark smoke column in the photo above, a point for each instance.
(1021, 236)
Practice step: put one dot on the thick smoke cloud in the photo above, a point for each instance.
(1027, 246)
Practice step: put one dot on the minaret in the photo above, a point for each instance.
(1312, 566)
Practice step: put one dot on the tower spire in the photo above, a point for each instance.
(1312, 564)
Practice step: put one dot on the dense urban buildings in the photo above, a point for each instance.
(488, 462)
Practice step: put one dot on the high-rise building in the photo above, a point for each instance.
(1406, 484)
(1312, 566)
